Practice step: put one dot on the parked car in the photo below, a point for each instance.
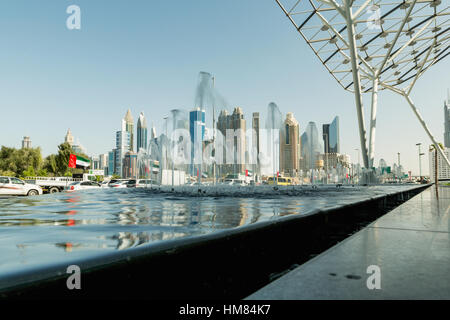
(200, 184)
(83, 185)
(140, 183)
(240, 182)
(234, 182)
(104, 184)
(12, 186)
(281, 181)
(118, 183)
(131, 183)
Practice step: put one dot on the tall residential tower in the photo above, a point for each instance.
(290, 146)
(129, 127)
(141, 134)
(26, 143)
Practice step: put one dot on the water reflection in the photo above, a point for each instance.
(50, 228)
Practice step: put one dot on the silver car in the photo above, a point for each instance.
(83, 185)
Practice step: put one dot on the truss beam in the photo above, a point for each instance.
(393, 47)
(356, 81)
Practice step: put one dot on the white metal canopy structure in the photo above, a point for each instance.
(371, 45)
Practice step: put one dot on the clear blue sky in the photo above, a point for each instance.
(146, 55)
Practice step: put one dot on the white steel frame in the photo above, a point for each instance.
(411, 36)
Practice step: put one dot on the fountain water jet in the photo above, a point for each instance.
(274, 123)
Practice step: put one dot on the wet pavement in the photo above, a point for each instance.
(405, 254)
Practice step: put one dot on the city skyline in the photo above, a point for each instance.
(124, 141)
(155, 76)
(229, 126)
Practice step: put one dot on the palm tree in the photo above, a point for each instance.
(432, 147)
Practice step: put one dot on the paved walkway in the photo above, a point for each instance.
(410, 245)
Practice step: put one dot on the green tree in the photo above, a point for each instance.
(7, 173)
(29, 172)
(50, 164)
(62, 158)
(6, 160)
(67, 173)
(20, 160)
(42, 173)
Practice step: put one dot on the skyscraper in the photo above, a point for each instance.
(222, 122)
(141, 136)
(26, 143)
(256, 140)
(129, 169)
(78, 148)
(331, 136)
(239, 141)
(111, 162)
(153, 133)
(123, 145)
(129, 127)
(235, 142)
(447, 123)
(290, 146)
(69, 138)
(197, 119)
(310, 147)
(443, 171)
(222, 126)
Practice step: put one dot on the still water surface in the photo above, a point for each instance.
(38, 231)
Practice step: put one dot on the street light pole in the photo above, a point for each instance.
(326, 152)
(420, 163)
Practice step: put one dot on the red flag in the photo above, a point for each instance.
(246, 173)
(73, 161)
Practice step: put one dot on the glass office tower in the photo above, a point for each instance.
(141, 134)
(197, 120)
(331, 136)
